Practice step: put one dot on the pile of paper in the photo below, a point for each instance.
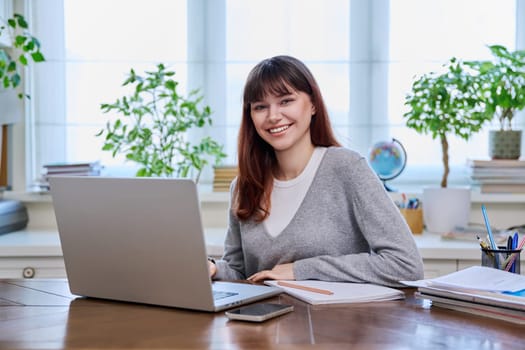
(477, 290)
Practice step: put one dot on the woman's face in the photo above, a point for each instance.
(284, 121)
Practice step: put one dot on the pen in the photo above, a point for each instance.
(487, 224)
(514, 256)
(509, 248)
(509, 243)
(309, 289)
(514, 245)
(489, 231)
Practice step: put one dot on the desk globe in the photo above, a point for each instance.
(388, 159)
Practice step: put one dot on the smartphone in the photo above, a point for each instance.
(258, 312)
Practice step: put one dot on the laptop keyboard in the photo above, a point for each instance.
(217, 294)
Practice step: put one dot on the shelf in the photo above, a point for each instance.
(45, 197)
(208, 196)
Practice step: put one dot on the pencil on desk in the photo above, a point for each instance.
(309, 289)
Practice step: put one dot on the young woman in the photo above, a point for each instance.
(303, 207)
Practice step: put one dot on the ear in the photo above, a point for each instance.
(313, 110)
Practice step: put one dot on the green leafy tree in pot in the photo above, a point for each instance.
(503, 83)
(446, 103)
(153, 131)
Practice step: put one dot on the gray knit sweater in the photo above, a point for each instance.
(346, 229)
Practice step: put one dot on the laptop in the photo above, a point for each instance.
(140, 240)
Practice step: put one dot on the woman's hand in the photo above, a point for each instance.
(212, 268)
(279, 272)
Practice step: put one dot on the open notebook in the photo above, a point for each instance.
(342, 292)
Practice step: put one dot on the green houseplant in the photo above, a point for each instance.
(503, 84)
(443, 104)
(24, 48)
(447, 103)
(20, 48)
(154, 127)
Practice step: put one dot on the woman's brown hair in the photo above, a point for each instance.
(256, 158)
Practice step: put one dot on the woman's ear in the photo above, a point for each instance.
(313, 110)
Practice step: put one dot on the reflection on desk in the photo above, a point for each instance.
(40, 314)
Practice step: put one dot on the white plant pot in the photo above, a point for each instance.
(11, 107)
(445, 208)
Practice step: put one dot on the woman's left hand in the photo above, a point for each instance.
(279, 272)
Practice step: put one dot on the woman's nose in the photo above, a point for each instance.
(275, 114)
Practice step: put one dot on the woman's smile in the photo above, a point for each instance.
(279, 129)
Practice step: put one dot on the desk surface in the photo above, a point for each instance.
(42, 314)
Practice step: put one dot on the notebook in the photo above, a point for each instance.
(321, 292)
(140, 240)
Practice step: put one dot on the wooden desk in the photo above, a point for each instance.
(42, 314)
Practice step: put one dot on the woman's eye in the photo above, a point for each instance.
(258, 107)
(286, 101)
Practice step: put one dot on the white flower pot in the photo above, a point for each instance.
(445, 208)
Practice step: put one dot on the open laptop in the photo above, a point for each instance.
(140, 240)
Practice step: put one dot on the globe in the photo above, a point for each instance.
(388, 160)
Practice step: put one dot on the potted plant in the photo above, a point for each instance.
(18, 50)
(22, 49)
(442, 104)
(155, 124)
(503, 83)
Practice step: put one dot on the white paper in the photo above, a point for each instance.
(342, 292)
(476, 278)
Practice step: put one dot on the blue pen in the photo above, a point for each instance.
(489, 231)
(514, 246)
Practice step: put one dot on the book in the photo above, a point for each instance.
(502, 187)
(478, 290)
(223, 176)
(496, 299)
(498, 175)
(496, 163)
(67, 169)
(342, 292)
(509, 315)
(64, 167)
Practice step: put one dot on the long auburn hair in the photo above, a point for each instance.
(256, 158)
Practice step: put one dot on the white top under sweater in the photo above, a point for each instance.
(288, 195)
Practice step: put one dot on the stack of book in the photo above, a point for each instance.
(477, 290)
(222, 177)
(498, 175)
(69, 169)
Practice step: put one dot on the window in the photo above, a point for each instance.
(423, 35)
(89, 53)
(363, 53)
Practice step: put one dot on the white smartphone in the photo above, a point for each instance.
(258, 312)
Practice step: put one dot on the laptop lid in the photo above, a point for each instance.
(139, 240)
